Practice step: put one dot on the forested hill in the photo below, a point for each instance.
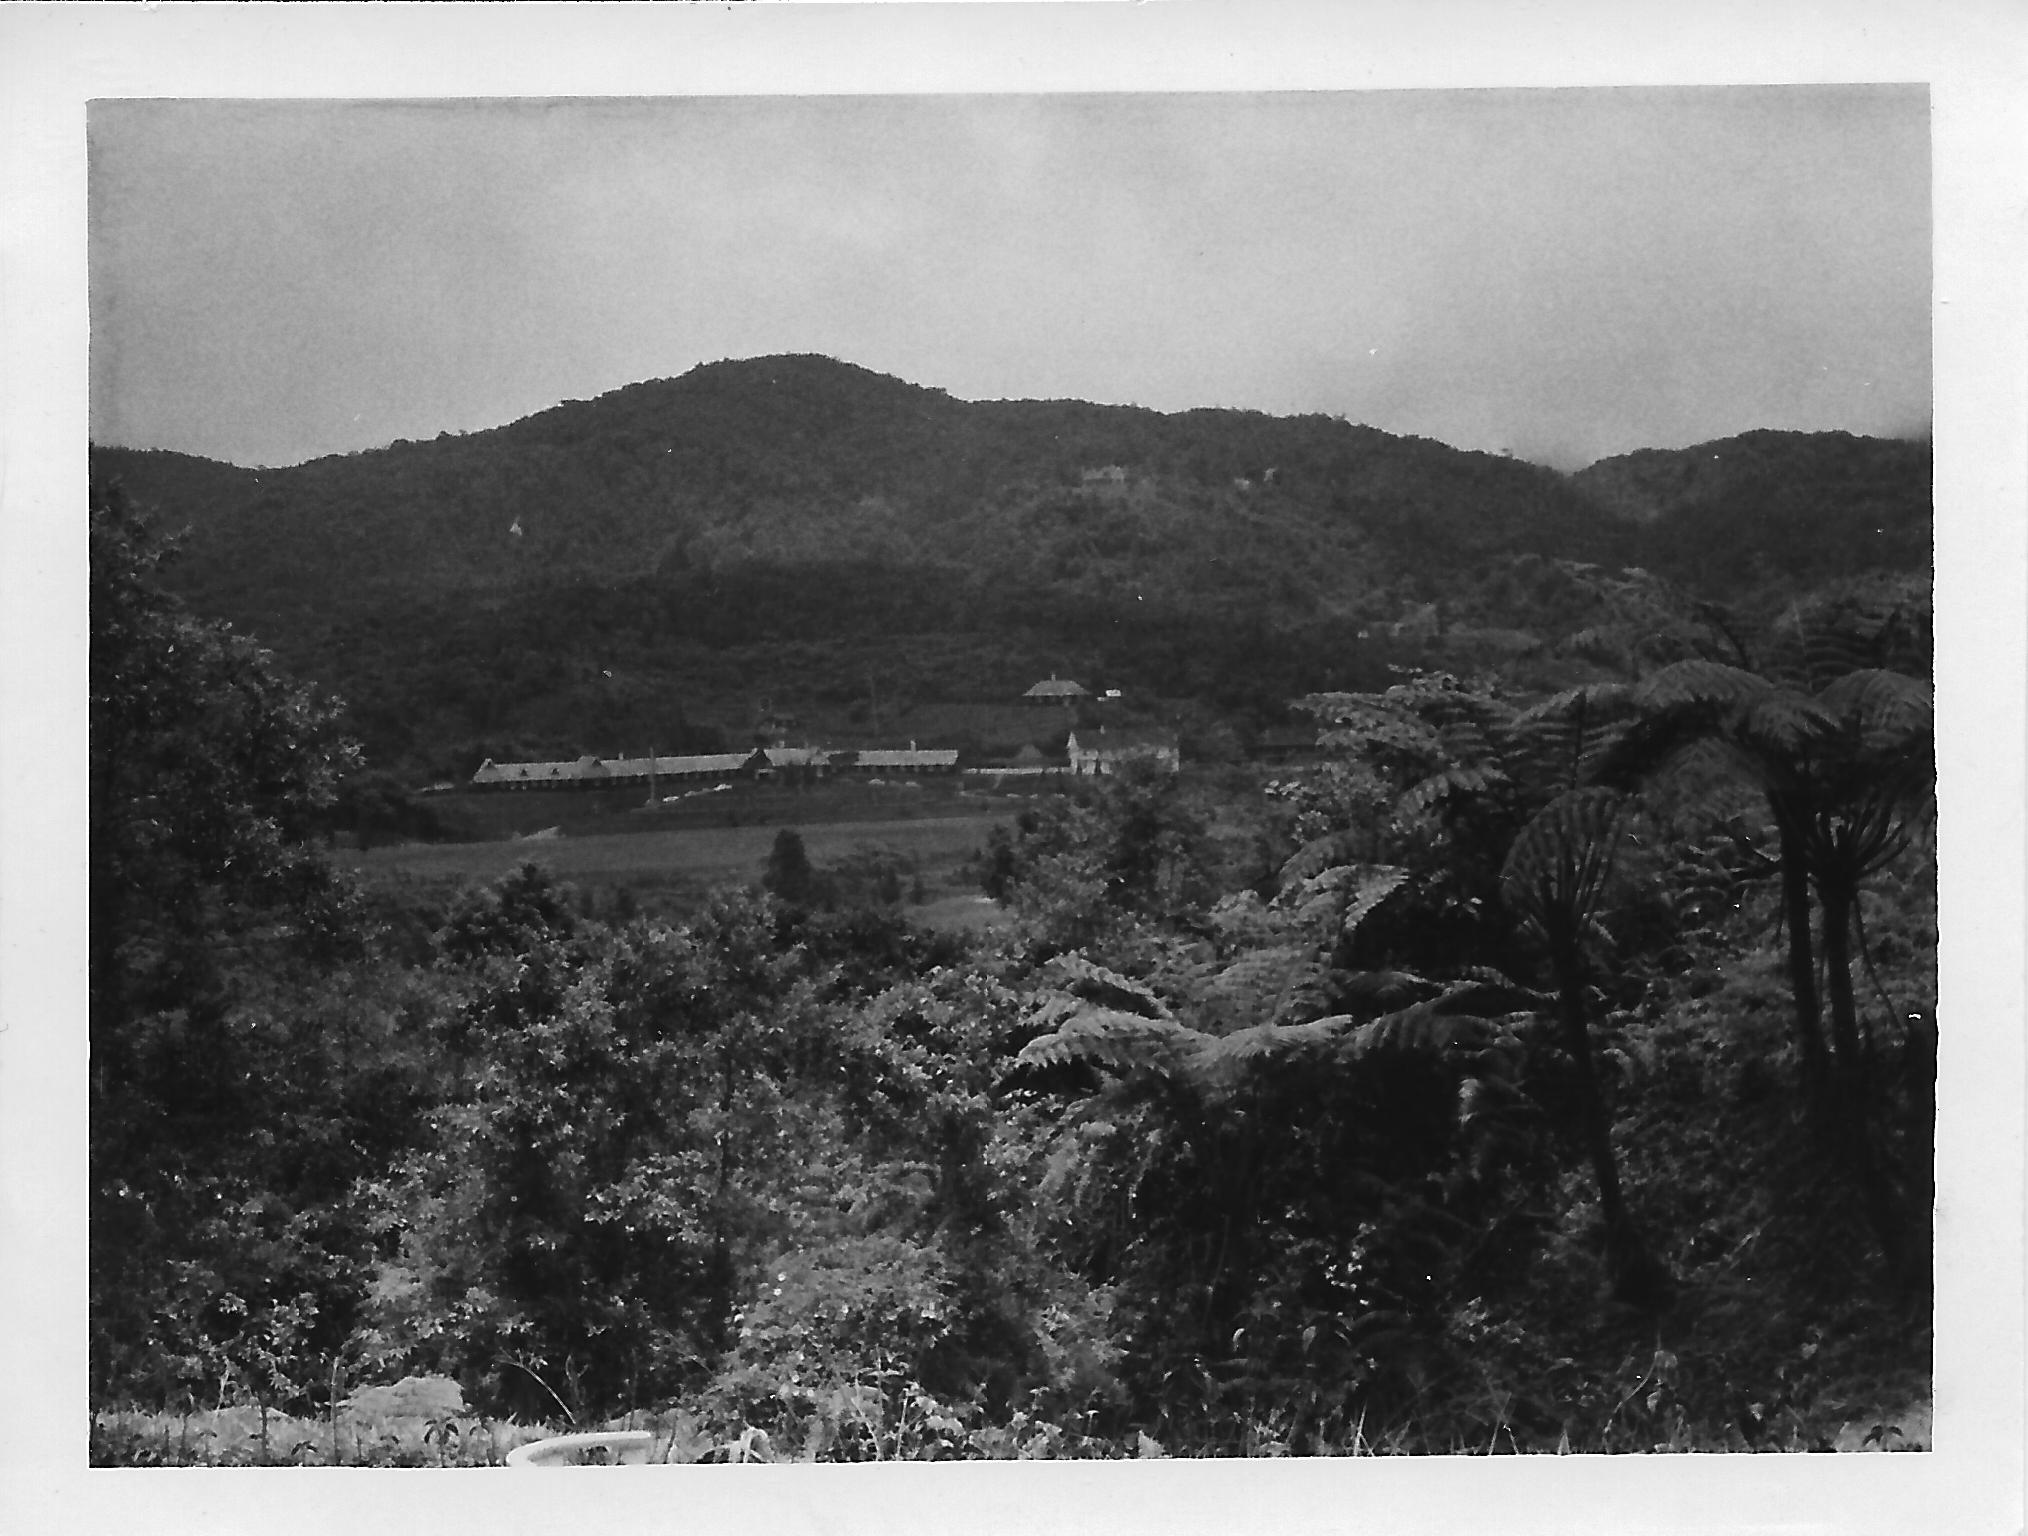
(1791, 509)
(795, 460)
(804, 530)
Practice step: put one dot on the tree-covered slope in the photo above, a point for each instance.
(613, 571)
(1783, 509)
(797, 460)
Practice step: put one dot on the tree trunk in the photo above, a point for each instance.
(1636, 1276)
(1853, 1088)
(1801, 957)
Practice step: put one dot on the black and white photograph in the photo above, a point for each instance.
(1166, 771)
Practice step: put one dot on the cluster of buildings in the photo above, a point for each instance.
(1089, 752)
(760, 764)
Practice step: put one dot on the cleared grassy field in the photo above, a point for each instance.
(670, 869)
(708, 853)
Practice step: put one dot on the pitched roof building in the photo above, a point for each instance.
(1103, 750)
(1055, 690)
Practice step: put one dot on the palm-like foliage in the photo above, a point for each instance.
(1555, 883)
(1842, 749)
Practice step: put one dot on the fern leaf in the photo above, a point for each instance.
(1096, 984)
(1125, 1042)
(1449, 784)
(1699, 684)
(1418, 1028)
(1564, 739)
(1372, 884)
(1260, 983)
(1884, 709)
(1783, 724)
(1384, 989)
(1319, 854)
(1483, 990)
(1269, 1042)
(1555, 873)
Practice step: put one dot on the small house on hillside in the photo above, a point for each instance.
(1103, 750)
(1055, 690)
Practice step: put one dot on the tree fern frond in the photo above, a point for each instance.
(1269, 1042)
(1649, 746)
(1384, 989)
(1372, 884)
(1483, 990)
(1556, 871)
(1331, 851)
(1096, 984)
(1883, 708)
(1564, 739)
(1783, 724)
(1450, 784)
(1262, 983)
(1125, 1042)
(1417, 1028)
(1338, 895)
(1699, 684)
(1602, 700)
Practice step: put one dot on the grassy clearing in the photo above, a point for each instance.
(712, 854)
(670, 870)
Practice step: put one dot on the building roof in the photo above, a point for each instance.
(592, 769)
(491, 772)
(796, 757)
(677, 767)
(1124, 738)
(1056, 688)
(908, 757)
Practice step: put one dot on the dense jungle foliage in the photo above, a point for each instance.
(649, 568)
(1539, 1069)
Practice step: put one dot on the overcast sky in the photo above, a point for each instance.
(1566, 274)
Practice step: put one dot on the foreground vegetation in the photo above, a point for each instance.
(1536, 1073)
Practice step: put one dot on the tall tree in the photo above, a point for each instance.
(208, 771)
(1840, 742)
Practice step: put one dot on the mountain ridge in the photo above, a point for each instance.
(703, 527)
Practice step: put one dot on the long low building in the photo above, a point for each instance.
(598, 773)
(759, 763)
(899, 760)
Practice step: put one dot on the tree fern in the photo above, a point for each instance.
(1123, 1042)
(1095, 983)
(1840, 741)
(1555, 881)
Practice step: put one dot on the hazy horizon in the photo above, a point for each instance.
(1564, 275)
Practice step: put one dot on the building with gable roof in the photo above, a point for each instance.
(1103, 750)
(1055, 690)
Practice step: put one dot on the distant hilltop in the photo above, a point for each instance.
(645, 563)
